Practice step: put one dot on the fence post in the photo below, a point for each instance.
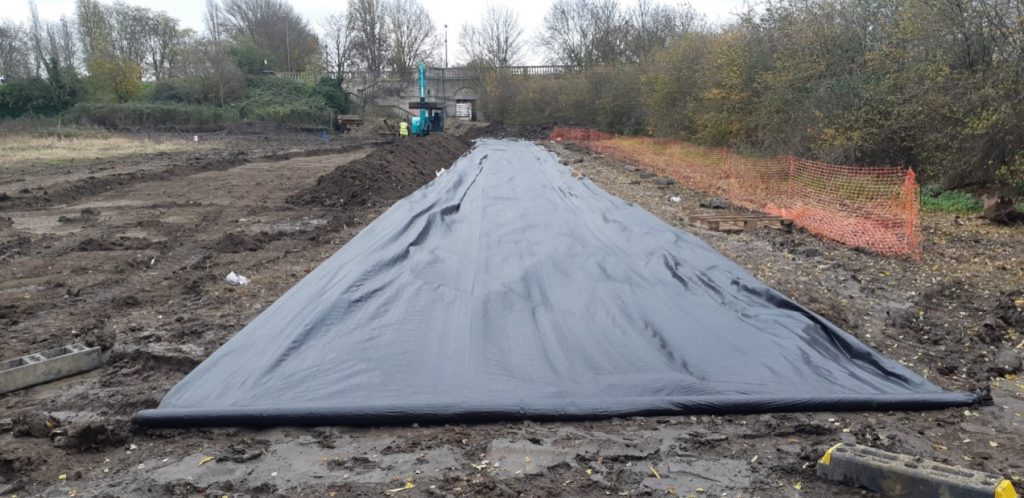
(727, 185)
(911, 207)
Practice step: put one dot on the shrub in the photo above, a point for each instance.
(195, 103)
(114, 79)
(276, 88)
(330, 90)
(175, 90)
(949, 201)
(29, 96)
(289, 114)
(40, 97)
(618, 104)
(283, 101)
(249, 58)
(151, 115)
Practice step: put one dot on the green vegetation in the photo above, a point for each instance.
(142, 70)
(932, 84)
(176, 104)
(134, 115)
(38, 96)
(605, 97)
(950, 201)
(248, 57)
(287, 101)
(113, 80)
(114, 98)
(33, 96)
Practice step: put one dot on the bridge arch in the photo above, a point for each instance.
(465, 93)
(465, 98)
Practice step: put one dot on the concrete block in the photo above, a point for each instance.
(47, 366)
(896, 475)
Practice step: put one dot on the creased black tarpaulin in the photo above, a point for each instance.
(507, 289)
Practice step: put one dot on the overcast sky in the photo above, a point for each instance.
(453, 13)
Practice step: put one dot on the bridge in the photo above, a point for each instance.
(390, 91)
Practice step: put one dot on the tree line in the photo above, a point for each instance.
(117, 45)
(113, 52)
(932, 84)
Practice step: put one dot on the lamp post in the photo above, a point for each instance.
(444, 73)
(288, 46)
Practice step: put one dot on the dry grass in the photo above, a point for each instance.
(17, 149)
(861, 208)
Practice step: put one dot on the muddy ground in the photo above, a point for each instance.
(134, 260)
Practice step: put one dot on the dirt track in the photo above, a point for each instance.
(138, 266)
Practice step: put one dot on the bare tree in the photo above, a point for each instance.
(369, 41)
(275, 28)
(584, 32)
(608, 31)
(123, 36)
(207, 68)
(36, 36)
(163, 45)
(411, 35)
(651, 25)
(199, 52)
(53, 45)
(213, 20)
(130, 32)
(497, 41)
(336, 37)
(14, 55)
(61, 44)
(94, 29)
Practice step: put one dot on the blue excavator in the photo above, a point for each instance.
(432, 114)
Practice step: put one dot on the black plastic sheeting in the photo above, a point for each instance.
(507, 289)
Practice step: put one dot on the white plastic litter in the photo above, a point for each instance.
(675, 198)
(438, 172)
(236, 279)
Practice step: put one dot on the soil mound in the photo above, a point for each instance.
(391, 172)
(499, 129)
(114, 244)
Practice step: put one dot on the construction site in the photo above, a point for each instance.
(778, 255)
(130, 255)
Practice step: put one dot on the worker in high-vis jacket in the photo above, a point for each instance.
(403, 129)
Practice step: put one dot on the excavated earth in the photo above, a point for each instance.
(131, 255)
(390, 172)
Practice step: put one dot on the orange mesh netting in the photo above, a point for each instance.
(873, 208)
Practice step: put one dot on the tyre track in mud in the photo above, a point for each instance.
(139, 270)
(76, 190)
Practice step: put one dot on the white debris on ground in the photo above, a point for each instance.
(236, 279)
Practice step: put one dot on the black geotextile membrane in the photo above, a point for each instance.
(508, 289)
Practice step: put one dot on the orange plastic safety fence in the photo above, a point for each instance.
(873, 208)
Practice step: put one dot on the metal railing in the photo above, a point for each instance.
(466, 73)
(366, 79)
(308, 76)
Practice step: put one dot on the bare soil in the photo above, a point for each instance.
(137, 267)
(498, 129)
(390, 172)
